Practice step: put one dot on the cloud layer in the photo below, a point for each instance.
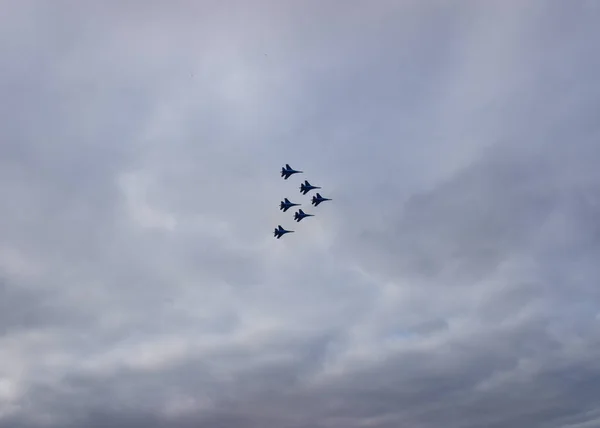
(453, 280)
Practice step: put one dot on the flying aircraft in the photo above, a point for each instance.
(307, 187)
(299, 215)
(286, 205)
(316, 200)
(280, 231)
(288, 171)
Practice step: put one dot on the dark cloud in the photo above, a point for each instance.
(452, 281)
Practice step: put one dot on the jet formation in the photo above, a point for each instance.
(286, 172)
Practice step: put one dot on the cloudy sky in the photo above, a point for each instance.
(453, 280)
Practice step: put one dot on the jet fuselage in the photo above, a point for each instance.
(299, 215)
(307, 187)
(286, 205)
(316, 200)
(288, 171)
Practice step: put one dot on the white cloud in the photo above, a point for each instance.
(451, 279)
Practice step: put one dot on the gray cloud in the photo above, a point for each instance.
(453, 280)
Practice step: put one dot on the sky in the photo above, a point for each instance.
(452, 281)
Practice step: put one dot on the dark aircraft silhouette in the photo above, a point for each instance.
(288, 171)
(299, 215)
(307, 187)
(316, 200)
(286, 205)
(280, 231)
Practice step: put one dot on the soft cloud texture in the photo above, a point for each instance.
(452, 282)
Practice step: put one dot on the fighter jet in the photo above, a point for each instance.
(286, 205)
(316, 200)
(280, 231)
(299, 215)
(288, 171)
(307, 187)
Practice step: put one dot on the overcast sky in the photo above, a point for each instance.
(453, 281)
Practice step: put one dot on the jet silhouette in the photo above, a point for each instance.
(288, 171)
(316, 200)
(299, 215)
(307, 187)
(286, 205)
(280, 231)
